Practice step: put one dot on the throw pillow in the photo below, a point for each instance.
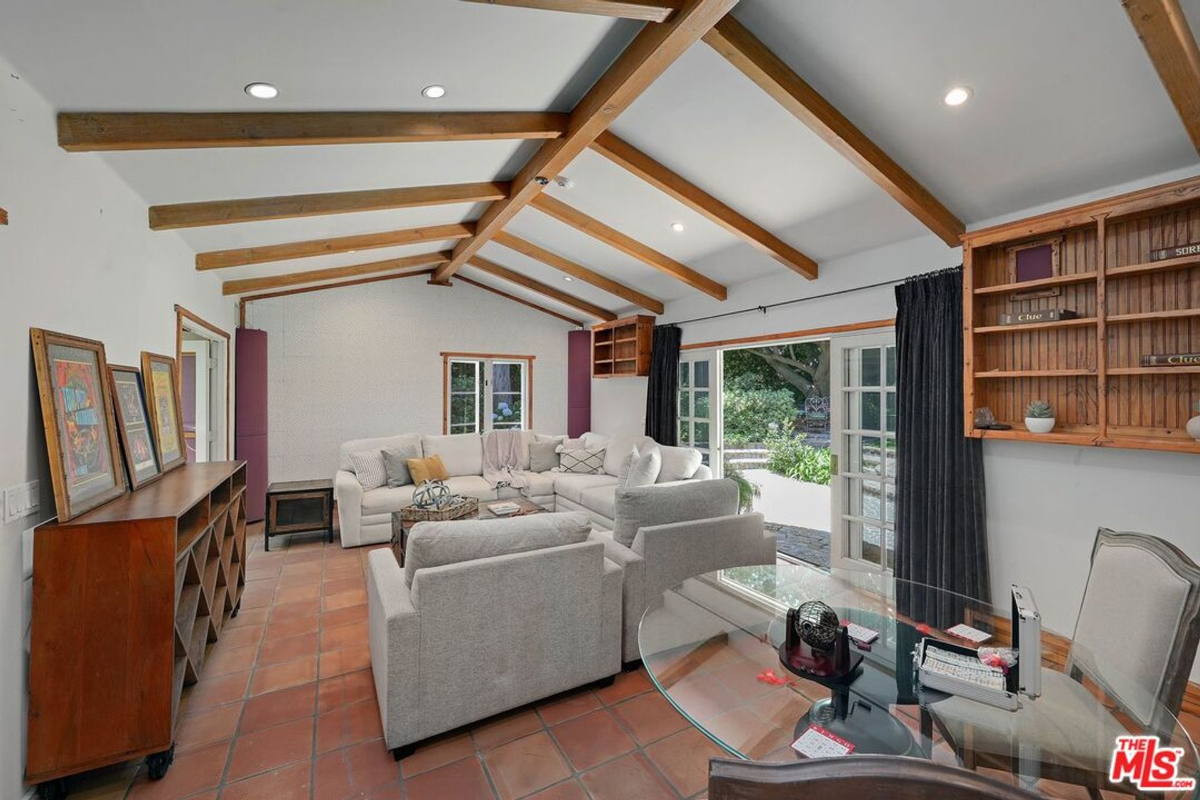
(395, 464)
(642, 470)
(543, 456)
(583, 462)
(368, 466)
(427, 469)
(570, 444)
(678, 463)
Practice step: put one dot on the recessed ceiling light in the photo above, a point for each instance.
(677, 227)
(261, 91)
(568, 278)
(958, 95)
(434, 92)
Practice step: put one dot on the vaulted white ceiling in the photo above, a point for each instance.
(1066, 101)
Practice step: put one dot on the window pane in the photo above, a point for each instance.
(683, 374)
(890, 399)
(891, 550)
(506, 377)
(462, 410)
(462, 376)
(889, 503)
(872, 500)
(890, 465)
(869, 414)
(891, 366)
(870, 544)
(702, 434)
(701, 405)
(685, 429)
(870, 366)
(684, 409)
(869, 455)
(700, 369)
(506, 409)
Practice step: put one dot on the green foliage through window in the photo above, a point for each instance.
(792, 458)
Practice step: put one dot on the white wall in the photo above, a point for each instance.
(77, 257)
(1045, 502)
(364, 361)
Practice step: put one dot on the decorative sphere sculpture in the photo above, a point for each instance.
(431, 494)
(817, 624)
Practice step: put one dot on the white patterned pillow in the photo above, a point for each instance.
(368, 466)
(641, 469)
(583, 462)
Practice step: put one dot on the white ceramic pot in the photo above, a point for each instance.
(1193, 427)
(1039, 424)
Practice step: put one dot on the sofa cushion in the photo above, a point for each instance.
(619, 448)
(387, 499)
(435, 544)
(572, 486)
(537, 484)
(379, 443)
(395, 463)
(600, 500)
(661, 505)
(369, 468)
(471, 486)
(427, 469)
(462, 453)
(678, 463)
(543, 456)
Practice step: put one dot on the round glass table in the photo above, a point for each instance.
(711, 647)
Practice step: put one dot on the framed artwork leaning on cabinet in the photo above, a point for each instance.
(166, 414)
(81, 438)
(133, 425)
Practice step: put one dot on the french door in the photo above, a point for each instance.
(487, 394)
(863, 428)
(700, 405)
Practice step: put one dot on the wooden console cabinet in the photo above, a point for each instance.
(127, 601)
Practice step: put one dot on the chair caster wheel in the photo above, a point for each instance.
(157, 764)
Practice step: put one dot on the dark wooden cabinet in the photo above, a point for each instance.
(128, 599)
(298, 507)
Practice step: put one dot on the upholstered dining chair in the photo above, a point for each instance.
(1135, 640)
(893, 777)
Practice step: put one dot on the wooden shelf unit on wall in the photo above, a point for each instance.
(1128, 306)
(128, 600)
(621, 348)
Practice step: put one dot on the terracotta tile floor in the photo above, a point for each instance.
(286, 711)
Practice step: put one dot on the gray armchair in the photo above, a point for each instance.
(1135, 639)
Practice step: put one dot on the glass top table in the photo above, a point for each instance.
(711, 647)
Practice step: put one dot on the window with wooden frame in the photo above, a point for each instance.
(486, 391)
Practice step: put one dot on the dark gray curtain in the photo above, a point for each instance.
(941, 532)
(662, 390)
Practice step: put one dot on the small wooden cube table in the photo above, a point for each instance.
(299, 507)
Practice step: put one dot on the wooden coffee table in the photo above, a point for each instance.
(400, 525)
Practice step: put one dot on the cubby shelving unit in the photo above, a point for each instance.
(1128, 306)
(621, 348)
(128, 600)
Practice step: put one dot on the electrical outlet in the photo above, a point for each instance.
(21, 501)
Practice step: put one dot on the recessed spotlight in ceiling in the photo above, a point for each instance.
(958, 95)
(677, 227)
(568, 278)
(434, 91)
(261, 91)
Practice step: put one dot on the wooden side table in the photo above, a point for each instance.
(299, 507)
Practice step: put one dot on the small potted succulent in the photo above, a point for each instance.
(1039, 417)
(1193, 426)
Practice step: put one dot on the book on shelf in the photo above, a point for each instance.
(1179, 251)
(1045, 315)
(1171, 360)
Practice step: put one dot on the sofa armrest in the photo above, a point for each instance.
(394, 633)
(349, 494)
(633, 569)
(703, 473)
(681, 550)
(611, 622)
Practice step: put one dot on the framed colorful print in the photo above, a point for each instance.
(81, 439)
(133, 425)
(166, 415)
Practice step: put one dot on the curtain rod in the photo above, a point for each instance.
(769, 306)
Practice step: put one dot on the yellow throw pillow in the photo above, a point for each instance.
(427, 469)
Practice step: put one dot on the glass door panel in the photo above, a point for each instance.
(698, 414)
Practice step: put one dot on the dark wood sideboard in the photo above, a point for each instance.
(127, 601)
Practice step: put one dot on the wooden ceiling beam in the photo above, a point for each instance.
(654, 49)
(644, 10)
(643, 166)
(257, 209)
(322, 287)
(627, 245)
(512, 276)
(516, 299)
(91, 131)
(1168, 39)
(578, 271)
(744, 50)
(244, 285)
(220, 259)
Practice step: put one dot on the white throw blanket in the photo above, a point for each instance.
(502, 459)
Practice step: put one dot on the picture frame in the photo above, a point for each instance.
(161, 382)
(81, 436)
(1035, 260)
(133, 425)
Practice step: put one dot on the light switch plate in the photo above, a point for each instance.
(21, 501)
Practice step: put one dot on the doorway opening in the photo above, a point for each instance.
(202, 352)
